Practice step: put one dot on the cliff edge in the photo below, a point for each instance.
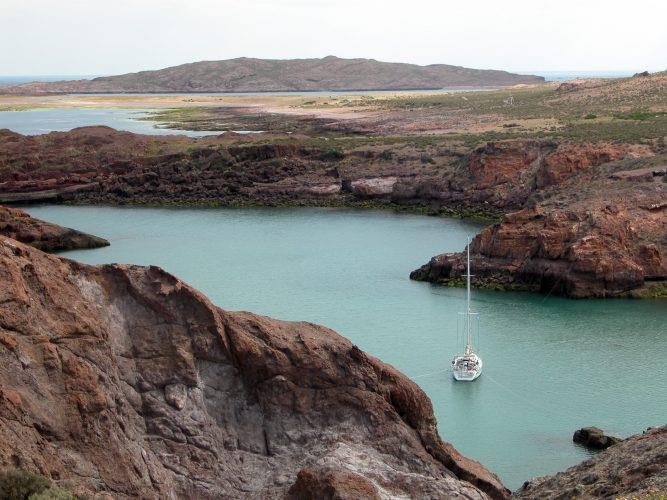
(579, 220)
(125, 380)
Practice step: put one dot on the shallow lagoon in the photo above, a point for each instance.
(551, 365)
(43, 121)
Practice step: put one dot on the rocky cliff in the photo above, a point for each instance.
(587, 224)
(49, 237)
(124, 380)
(577, 219)
(634, 468)
(268, 75)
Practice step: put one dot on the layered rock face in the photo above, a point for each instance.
(49, 237)
(101, 165)
(123, 379)
(582, 231)
(563, 252)
(633, 468)
(581, 220)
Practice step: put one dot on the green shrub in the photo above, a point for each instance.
(54, 493)
(590, 116)
(21, 485)
(387, 154)
(426, 158)
(332, 154)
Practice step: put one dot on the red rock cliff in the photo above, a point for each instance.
(581, 231)
(123, 379)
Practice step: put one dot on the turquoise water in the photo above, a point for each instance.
(551, 365)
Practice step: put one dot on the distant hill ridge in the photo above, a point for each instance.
(272, 75)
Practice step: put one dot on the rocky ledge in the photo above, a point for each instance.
(125, 380)
(633, 468)
(591, 224)
(581, 220)
(49, 237)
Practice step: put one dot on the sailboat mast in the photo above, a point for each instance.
(468, 313)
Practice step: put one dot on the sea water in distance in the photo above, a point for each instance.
(551, 365)
(45, 120)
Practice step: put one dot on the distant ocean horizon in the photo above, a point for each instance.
(17, 79)
(550, 76)
(556, 76)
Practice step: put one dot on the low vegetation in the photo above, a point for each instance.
(19, 484)
(622, 110)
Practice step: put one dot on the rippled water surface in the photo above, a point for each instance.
(551, 365)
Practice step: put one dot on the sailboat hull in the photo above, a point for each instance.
(467, 368)
(467, 376)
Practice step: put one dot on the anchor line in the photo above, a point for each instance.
(430, 373)
(502, 386)
(524, 399)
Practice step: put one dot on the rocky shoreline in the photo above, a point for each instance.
(634, 468)
(188, 399)
(579, 220)
(43, 235)
(590, 221)
(124, 380)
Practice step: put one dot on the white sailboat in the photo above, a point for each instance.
(468, 366)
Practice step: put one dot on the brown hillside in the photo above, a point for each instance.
(265, 75)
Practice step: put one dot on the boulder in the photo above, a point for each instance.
(594, 438)
(332, 484)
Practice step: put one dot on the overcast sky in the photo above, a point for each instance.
(87, 37)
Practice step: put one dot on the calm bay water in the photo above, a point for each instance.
(43, 121)
(551, 365)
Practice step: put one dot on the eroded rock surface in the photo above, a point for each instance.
(582, 220)
(123, 379)
(634, 468)
(17, 224)
(582, 231)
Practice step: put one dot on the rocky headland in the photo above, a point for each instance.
(124, 380)
(580, 221)
(49, 237)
